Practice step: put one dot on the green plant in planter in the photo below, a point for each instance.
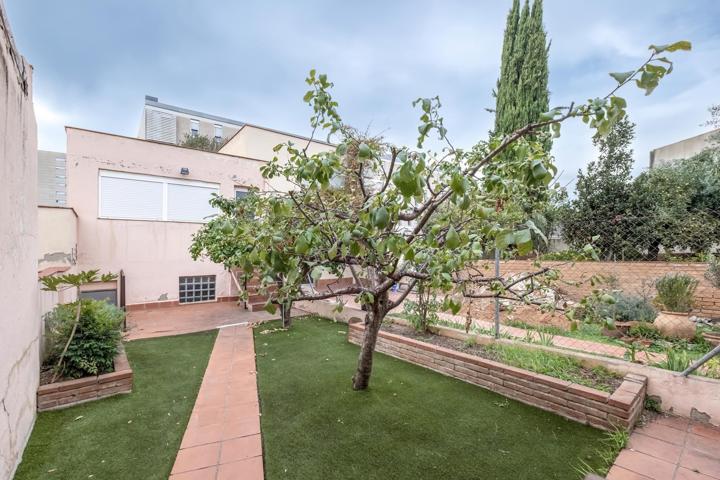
(56, 282)
(675, 292)
(94, 344)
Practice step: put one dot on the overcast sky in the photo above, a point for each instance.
(95, 60)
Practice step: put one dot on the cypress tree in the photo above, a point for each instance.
(522, 93)
(508, 70)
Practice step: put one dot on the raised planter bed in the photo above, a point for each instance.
(608, 411)
(72, 392)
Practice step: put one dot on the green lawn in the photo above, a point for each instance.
(134, 436)
(411, 424)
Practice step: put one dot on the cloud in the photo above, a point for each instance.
(94, 61)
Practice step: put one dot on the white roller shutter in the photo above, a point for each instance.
(131, 198)
(189, 203)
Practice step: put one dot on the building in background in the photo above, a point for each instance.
(52, 179)
(167, 123)
(682, 149)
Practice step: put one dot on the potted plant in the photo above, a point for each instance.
(675, 293)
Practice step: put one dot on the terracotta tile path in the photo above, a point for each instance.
(670, 448)
(222, 440)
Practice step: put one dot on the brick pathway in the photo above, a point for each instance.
(222, 440)
(670, 448)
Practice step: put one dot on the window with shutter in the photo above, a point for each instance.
(132, 196)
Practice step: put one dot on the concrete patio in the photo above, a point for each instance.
(198, 317)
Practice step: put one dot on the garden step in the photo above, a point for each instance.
(256, 307)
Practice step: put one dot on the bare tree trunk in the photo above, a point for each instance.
(285, 309)
(373, 320)
(70, 338)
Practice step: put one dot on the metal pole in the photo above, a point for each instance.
(497, 300)
(699, 363)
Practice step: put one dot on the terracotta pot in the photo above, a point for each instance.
(675, 324)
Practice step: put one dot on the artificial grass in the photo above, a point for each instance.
(133, 436)
(411, 423)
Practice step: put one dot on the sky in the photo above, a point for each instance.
(94, 61)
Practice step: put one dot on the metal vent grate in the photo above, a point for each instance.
(199, 288)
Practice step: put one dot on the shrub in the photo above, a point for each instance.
(713, 270)
(675, 292)
(607, 308)
(422, 312)
(96, 340)
(629, 308)
(645, 330)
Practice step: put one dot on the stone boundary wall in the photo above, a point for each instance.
(607, 411)
(632, 277)
(58, 395)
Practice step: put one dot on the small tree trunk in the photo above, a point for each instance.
(373, 320)
(69, 340)
(285, 309)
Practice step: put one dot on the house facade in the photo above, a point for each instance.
(139, 202)
(167, 123)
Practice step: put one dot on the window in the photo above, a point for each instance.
(132, 196)
(218, 133)
(194, 127)
(188, 203)
(240, 192)
(200, 288)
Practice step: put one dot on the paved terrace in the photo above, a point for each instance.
(198, 317)
(670, 448)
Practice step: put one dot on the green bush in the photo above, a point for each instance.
(675, 292)
(96, 340)
(607, 308)
(713, 270)
(645, 330)
(630, 308)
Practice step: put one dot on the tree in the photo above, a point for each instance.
(415, 216)
(679, 204)
(602, 207)
(202, 142)
(522, 89)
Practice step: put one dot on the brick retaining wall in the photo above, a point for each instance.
(607, 411)
(633, 278)
(72, 392)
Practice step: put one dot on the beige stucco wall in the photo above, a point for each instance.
(19, 315)
(57, 237)
(257, 142)
(153, 254)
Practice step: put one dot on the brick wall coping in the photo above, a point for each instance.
(64, 394)
(619, 409)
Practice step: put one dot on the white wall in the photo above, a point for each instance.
(19, 315)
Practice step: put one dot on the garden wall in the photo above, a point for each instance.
(20, 318)
(72, 392)
(607, 411)
(634, 278)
